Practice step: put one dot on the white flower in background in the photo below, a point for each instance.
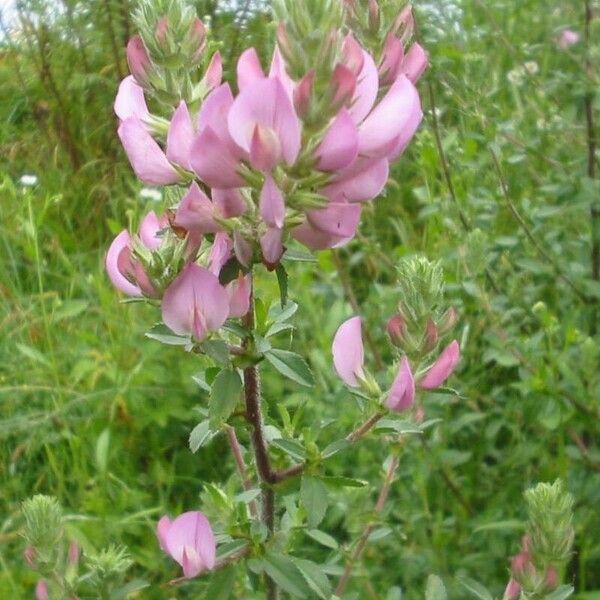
(515, 76)
(151, 194)
(28, 180)
(532, 67)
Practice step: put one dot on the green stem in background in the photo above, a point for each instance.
(591, 158)
(364, 538)
(252, 398)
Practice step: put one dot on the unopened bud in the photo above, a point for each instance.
(29, 555)
(283, 41)
(396, 329)
(242, 249)
(303, 94)
(41, 590)
(552, 579)
(448, 321)
(404, 24)
(161, 32)
(353, 55)
(512, 591)
(74, 553)
(343, 87)
(197, 38)
(419, 415)
(138, 60)
(431, 337)
(374, 16)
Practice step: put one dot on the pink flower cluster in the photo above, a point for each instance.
(261, 130)
(348, 359)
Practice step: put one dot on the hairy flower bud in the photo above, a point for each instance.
(431, 337)
(396, 329)
(43, 525)
(512, 591)
(138, 60)
(374, 16)
(161, 31)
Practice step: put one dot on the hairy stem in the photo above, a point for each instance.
(252, 397)
(364, 538)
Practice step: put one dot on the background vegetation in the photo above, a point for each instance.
(500, 185)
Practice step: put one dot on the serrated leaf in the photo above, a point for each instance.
(478, 590)
(200, 436)
(224, 397)
(314, 498)
(33, 354)
(286, 575)
(282, 280)
(161, 333)
(323, 538)
(315, 577)
(292, 366)
(435, 589)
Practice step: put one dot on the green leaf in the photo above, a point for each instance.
(334, 448)
(292, 448)
(129, 588)
(282, 280)
(292, 366)
(562, 593)
(217, 350)
(230, 548)
(510, 525)
(224, 397)
(278, 328)
(478, 590)
(279, 314)
(315, 577)
(298, 256)
(322, 538)
(435, 589)
(200, 436)
(102, 447)
(396, 426)
(247, 496)
(313, 495)
(33, 353)
(285, 574)
(161, 333)
(344, 482)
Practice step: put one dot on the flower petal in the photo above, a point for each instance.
(265, 149)
(195, 303)
(161, 531)
(339, 219)
(272, 205)
(145, 155)
(213, 161)
(130, 101)
(367, 88)
(191, 530)
(339, 147)
(363, 180)
(402, 393)
(117, 257)
(191, 562)
(239, 296)
(415, 63)
(314, 238)
(442, 368)
(249, 69)
(196, 212)
(265, 103)
(348, 351)
(389, 118)
(271, 244)
(220, 252)
(180, 137)
(149, 228)
(230, 203)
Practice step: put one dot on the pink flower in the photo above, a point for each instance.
(195, 303)
(567, 38)
(130, 101)
(124, 270)
(512, 591)
(189, 540)
(442, 368)
(348, 352)
(401, 396)
(41, 590)
(396, 62)
(74, 553)
(29, 554)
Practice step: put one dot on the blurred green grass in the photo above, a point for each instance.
(99, 416)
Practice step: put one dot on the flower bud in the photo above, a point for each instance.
(41, 590)
(303, 94)
(404, 24)
(74, 553)
(197, 37)
(161, 32)
(512, 591)
(138, 60)
(431, 337)
(448, 321)
(374, 16)
(522, 567)
(29, 555)
(396, 329)
(552, 579)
